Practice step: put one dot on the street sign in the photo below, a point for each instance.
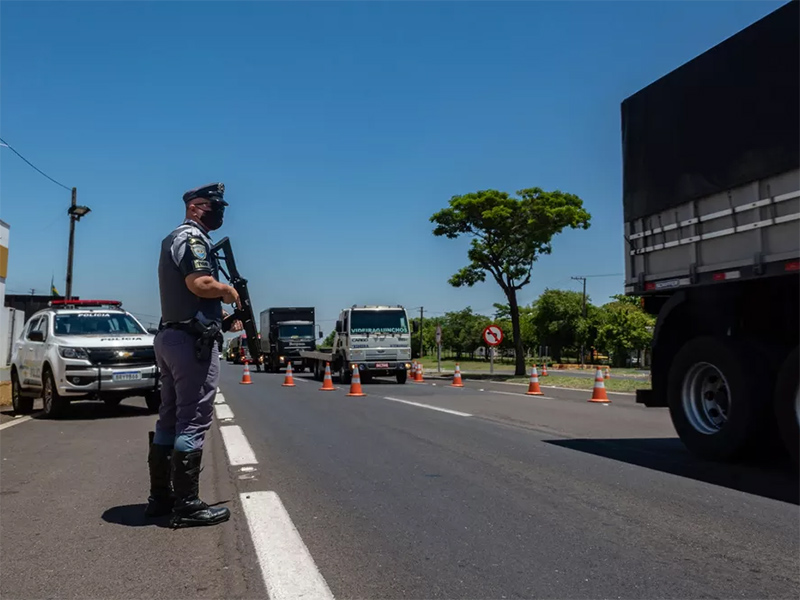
(493, 335)
(438, 334)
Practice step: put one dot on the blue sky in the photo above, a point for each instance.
(338, 128)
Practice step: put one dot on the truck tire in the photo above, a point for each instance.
(787, 404)
(22, 405)
(402, 376)
(345, 375)
(713, 398)
(153, 400)
(54, 406)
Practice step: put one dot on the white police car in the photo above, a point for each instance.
(83, 349)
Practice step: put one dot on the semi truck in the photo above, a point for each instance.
(711, 202)
(376, 340)
(285, 332)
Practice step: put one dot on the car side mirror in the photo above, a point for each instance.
(319, 335)
(36, 336)
(152, 331)
(338, 327)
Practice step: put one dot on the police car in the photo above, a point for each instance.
(79, 350)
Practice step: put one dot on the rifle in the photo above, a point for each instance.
(239, 283)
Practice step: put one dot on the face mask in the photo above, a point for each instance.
(212, 219)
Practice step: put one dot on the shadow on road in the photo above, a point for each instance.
(769, 476)
(132, 515)
(91, 411)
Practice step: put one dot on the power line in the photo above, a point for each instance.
(7, 145)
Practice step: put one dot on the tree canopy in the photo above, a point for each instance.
(507, 236)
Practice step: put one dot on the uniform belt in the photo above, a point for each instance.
(181, 326)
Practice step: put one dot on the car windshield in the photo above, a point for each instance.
(384, 321)
(96, 323)
(290, 331)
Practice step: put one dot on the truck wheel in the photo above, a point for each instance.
(153, 400)
(402, 376)
(21, 404)
(787, 404)
(713, 398)
(345, 375)
(54, 405)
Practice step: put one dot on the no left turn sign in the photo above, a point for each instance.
(493, 335)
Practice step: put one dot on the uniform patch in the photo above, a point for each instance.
(199, 250)
(201, 265)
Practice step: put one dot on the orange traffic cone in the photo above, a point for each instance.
(355, 386)
(413, 372)
(599, 391)
(327, 381)
(246, 375)
(533, 387)
(419, 378)
(607, 374)
(457, 378)
(544, 369)
(289, 380)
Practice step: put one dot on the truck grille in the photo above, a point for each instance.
(388, 355)
(122, 356)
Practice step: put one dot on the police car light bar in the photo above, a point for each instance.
(85, 303)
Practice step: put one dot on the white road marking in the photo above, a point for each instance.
(304, 380)
(518, 394)
(555, 387)
(15, 422)
(237, 446)
(223, 411)
(287, 567)
(219, 399)
(445, 410)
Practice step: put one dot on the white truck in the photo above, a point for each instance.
(375, 339)
(711, 201)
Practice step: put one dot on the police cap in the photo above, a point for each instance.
(212, 191)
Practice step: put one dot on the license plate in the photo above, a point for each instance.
(128, 376)
(381, 365)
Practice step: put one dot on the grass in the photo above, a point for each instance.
(587, 383)
(507, 365)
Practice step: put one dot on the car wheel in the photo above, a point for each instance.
(21, 405)
(153, 401)
(54, 405)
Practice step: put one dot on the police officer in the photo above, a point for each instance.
(187, 352)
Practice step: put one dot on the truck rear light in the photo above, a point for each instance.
(792, 266)
(649, 286)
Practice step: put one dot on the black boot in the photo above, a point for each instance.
(160, 502)
(189, 510)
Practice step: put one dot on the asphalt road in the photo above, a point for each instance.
(504, 496)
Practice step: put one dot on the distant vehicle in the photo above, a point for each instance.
(711, 200)
(285, 332)
(238, 350)
(83, 349)
(374, 339)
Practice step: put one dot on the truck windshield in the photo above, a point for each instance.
(373, 321)
(96, 323)
(292, 331)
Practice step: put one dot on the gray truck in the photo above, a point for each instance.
(376, 340)
(711, 201)
(285, 332)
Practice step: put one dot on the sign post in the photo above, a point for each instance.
(439, 347)
(493, 336)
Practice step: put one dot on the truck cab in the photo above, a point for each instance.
(285, 333)
(375, 339)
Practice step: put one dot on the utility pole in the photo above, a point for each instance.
(421, 310)
(75, 213)
(583, 349)
(71, 241)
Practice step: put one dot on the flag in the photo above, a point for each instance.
(53, 290)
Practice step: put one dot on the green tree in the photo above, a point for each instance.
(624, 328)
(507, 236)
(558, 320)
(462, 330)
(328, 341)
